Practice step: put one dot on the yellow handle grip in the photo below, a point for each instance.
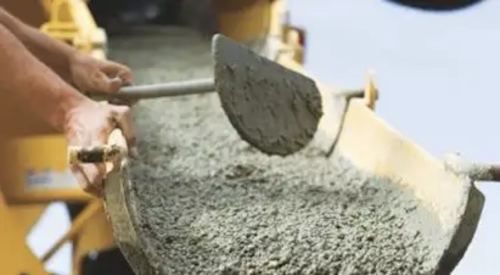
(115, 150)
(370, 92)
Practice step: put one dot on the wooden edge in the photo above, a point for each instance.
(374, 146)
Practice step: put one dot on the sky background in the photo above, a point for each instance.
(436, 74)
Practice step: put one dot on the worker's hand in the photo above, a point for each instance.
(90, 125)
(94, 75)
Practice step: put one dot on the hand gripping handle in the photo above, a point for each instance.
(113, 152)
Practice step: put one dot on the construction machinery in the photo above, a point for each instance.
(42, 177)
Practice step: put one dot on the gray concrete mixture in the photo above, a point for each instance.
(213, 205)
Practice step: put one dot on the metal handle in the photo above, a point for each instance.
(198, 86)
(105, 153)
(116, 150)
(359, 93)
(474, 170)
(111, 153)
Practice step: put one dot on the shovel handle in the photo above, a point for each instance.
(114, 151)
(359, 93)
(98, 154)
(151, 91)
(493, 171)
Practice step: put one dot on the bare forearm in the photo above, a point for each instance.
(30, 83)
(54, 53)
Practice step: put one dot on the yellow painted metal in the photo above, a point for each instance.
(244, 21)
(39, 150)
(92, 208)
(95, 235)
(16, 256)
(90, 231)
(279, 18)
(71, 21)
(366, 140)
(35, 150)
(371, 91)
(40, 154)
(293, 39)
(27, 215)
(248, 20)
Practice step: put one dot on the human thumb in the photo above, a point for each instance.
(103, 84)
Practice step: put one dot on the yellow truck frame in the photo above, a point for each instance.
(24, 197)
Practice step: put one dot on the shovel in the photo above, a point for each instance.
(274, 109)
(445, 190)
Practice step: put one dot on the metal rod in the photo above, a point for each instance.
(180, 88)
(475, 170)
(484, 172)
(352, 93)
(198, 86)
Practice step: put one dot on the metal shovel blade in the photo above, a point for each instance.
(271, 107)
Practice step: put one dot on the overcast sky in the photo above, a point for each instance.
(436, 75)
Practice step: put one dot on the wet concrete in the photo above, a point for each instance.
(271, 107)
(214, 205)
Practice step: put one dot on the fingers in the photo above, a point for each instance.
(114, 84)
(113, 76)
(102, 83)
(96, 124)
(115, 70)
(126, 76)
(122, 116)
(90, 177)
(123, 101)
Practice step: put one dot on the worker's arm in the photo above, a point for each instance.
(52, 52)
(27, 82)
(81, 70)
